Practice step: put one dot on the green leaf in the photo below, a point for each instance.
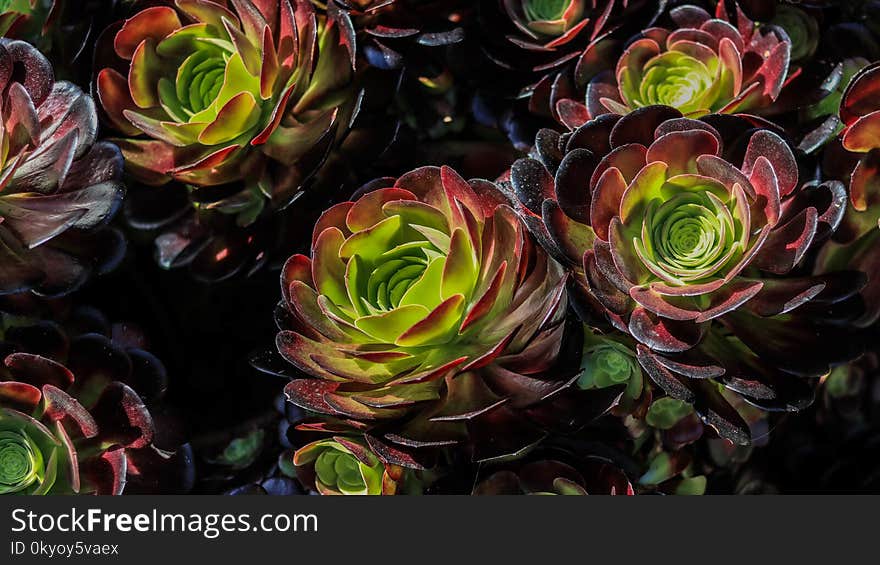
(387, 327)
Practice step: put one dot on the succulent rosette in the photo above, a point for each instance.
(700, 65)
(854, 246)
(690, 241)
(610, 361)
(240, 104)
(802, 29)
(59, 187)
(541, 35)
(426, 306)
(348, 466)
(211, 91)
(70, 419)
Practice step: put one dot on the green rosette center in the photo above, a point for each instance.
(689, 237)
(21, 462)
(672, 79)
(395, 272)
(199, 80)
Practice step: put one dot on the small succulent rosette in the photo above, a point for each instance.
(854, 245)
(348, 465)
(208, 91)
(609, 360)
(70, 420)
(542, 35)
(802, 29)
(225, 112)
(59, 186)
(694, 251)
(701, 64)
(428, 312)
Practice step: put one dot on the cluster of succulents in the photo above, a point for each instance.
(525, 246)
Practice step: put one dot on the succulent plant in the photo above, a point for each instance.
(58, 186)
(70, 420)
(541, 35)
(427, 307)
(699, 65)
(801, 28)
(211, 91)
(610, 360)
(854, 246)
(239, 104)
(693, 254)
(346, 466)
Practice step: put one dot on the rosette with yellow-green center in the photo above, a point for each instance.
(689, 239)
(410, 284)
(213, 89)
(704, 65)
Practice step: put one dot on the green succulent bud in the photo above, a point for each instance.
(242, 451)
(665, 412)
(802, 29)
(665, 466)
(606, 363)
(342, 469)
